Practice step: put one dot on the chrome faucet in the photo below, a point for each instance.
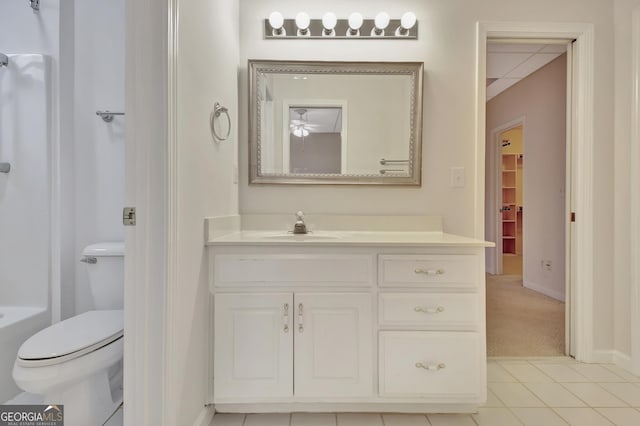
(300, 227)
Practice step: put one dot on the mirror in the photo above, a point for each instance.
(335, 122)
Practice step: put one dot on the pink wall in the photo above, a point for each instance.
(540, 100)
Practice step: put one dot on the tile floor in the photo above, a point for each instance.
(542, 391)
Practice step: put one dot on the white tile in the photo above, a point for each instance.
(492, 400)
(278, 419)
(562, 373)
(621, 416)
(450, 420)
(496, 417)
(594, 395)
(554, 395)
(359, 419)
(582, 417)
(526, 372)
(596, 373)
(622, 373)
(228, 420)
(404, 420)
(313, 419)
(538, 416)
(628, 392)
(515, 395)
(496, 373)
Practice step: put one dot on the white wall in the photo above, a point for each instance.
(447, 45)
(98, 154)
(541, 100)
(207, 59)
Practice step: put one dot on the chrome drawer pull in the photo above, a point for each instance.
(300, 318)
(435, 310)
(285, 318)
(429, 271)
(430, 367)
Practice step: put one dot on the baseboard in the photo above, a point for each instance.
(206, 416)
(551, 293)
(623, 360)
(603, 356)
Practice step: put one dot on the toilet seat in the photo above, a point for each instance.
(71, 338)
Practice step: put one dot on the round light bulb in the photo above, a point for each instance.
(408, 20)
(382, 20)
(276, 20)
(303, 20)
(355, 21)
(329, 20)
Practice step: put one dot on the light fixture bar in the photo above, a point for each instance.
(316, 29)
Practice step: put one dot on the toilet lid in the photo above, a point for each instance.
(74, 336)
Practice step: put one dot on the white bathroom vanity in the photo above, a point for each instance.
(347, 320)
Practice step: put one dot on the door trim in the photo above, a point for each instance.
(582, 141)
(635, 196)
(146, 173)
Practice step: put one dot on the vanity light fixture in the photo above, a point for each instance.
(407, 22)
(381, 22)
(355, 26)
(355, 22)
(276, 20)
(302, 22)
(329, 21)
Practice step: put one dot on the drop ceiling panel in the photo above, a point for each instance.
(515, 61)
(532, 64)
(499, 64)
(513, 48)
(500, 86)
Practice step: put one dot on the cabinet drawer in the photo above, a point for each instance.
(436, 365)
(427, 270)
(458, 310)
(288, 269)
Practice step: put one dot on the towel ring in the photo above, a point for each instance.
(217, 111)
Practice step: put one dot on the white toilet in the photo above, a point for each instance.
(78, 362)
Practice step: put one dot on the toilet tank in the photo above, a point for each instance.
(105, 264)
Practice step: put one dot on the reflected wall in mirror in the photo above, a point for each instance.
(335, 122)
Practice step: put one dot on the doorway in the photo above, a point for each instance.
(526, 291)
(510, 173)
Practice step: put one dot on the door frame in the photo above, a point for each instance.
(497, 178)
(635, 196)
(582, 135)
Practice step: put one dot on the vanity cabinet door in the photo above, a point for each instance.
(333, 345)
(253, 346)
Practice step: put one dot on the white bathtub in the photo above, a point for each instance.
(17, 324)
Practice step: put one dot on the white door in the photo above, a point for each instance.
(253, 346)
(333, 345)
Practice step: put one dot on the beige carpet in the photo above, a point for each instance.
(522, 322)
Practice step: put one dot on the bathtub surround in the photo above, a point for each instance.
(25, 206)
